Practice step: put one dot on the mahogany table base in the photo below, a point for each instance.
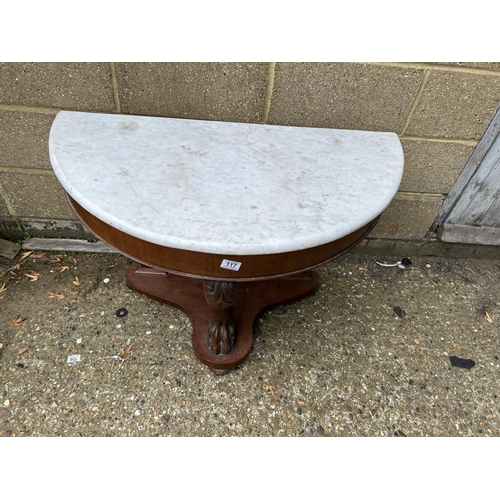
(222, 327)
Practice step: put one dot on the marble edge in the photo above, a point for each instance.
(245, 124)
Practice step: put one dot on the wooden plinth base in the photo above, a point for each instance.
(254, 297)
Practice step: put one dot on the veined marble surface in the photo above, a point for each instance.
(224, 188)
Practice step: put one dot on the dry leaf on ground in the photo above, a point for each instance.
(38, 255)
(270, 388)
(56, 259)
(25, 255)
(15, 276)
(17, 321)
(77, 282)
(32, 275)
(63, 268)
(56, 295)
(127, 351)
(488, 317)
(3, 288)
(23, 350)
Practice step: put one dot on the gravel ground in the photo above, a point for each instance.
(373, 353)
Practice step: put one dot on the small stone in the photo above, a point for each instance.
(400, 312)
(106, 280)
(137, 413)
(6, 402)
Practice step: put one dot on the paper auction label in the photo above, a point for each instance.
(230, 264)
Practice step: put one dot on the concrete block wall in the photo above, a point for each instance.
(439, 110)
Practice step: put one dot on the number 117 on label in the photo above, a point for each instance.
(230, 264)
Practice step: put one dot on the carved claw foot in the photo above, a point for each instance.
(221, 295)
(221, 332)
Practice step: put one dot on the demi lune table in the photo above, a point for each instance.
(223, 220)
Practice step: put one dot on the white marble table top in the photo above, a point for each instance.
(224, 188)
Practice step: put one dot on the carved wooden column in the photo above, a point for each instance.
(221, 296)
